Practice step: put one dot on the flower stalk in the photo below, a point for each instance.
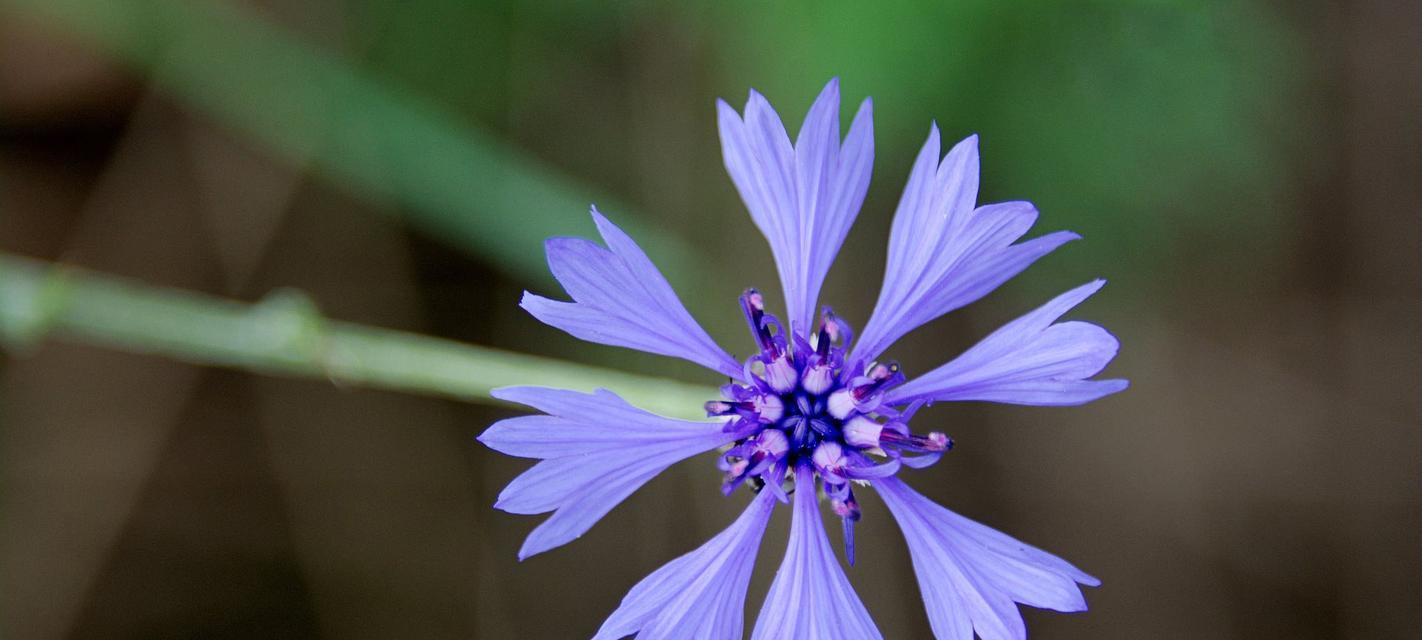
(285, 334)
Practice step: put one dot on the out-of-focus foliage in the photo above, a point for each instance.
(464, 186)
(1131, 122)
(1128, 121)
(1139, 124)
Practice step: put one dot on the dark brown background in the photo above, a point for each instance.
(1247, 175)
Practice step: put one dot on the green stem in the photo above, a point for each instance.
(286, 335)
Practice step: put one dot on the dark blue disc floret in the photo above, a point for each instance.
(803, 402)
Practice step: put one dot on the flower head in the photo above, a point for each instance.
(813, 410)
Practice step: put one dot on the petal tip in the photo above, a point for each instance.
(966, 149)
(724, 111)
(532, 547)
(1080, 293)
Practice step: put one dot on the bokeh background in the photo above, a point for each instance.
(1246, 174)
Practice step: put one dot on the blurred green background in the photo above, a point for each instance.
(1246, 174)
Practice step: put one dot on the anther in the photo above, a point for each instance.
(865, 433)
(833, 330)
(763, 408)
(847, 508)
(881, 376)
(720, 408)
(754, 307)
(934, 442)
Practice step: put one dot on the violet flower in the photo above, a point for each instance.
(812, 404)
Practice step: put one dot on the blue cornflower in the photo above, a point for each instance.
(812, 402)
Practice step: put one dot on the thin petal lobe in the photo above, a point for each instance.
(1028, 361)
(700, 595)
(971, 576)
(803, 198)
(945, 252)
(596, 449)
(621, 299)
(810, 596)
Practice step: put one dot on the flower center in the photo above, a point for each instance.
(802, 403)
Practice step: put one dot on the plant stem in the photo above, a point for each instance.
(286, 335)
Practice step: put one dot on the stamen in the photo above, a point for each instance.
(862, 393)
(841, 404)
(773, 443)
(880, 377)
(819, 376)
(719, 408)
(847, 508)
(829, 459)
(934, 442)
(753, 304)
(769, 409)
(763, 408)
(865, 433)
(781, 375)
(753, 457)
(862, 432)
(802, 404)
(833, 331)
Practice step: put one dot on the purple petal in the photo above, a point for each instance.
(971, 576)
(596, 451)
(811, 597)
(943, 252)
(804, 199)
(621, 299)
(1027, 361)
(701, 594)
